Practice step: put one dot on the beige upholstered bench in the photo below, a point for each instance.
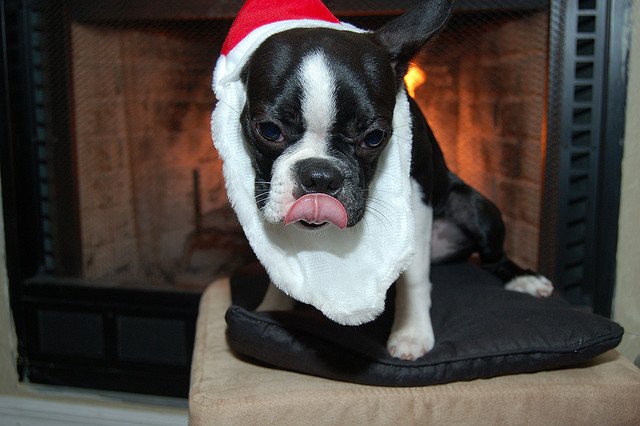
(227, 390)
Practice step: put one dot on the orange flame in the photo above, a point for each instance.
(414, 78)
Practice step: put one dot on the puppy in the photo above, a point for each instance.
(318, 116)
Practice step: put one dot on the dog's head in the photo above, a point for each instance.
(319, 112)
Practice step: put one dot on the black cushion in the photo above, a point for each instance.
(481, 331)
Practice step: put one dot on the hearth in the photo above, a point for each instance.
(115, 210)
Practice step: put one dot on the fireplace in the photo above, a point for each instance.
(115, 210)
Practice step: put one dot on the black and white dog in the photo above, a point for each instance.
(318, 116)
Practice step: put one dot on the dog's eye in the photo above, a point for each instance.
(269, 131)
(374, 138)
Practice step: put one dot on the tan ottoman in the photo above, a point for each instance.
(226, 390)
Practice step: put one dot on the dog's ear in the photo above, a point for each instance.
(403, 36)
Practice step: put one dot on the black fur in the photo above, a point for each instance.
(404, 36)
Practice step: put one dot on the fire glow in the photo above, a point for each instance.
(414, 78)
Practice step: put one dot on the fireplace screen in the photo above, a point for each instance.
(151, 197)
(149, 191)
(117, 214)
(483, 92)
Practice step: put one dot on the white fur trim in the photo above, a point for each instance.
(344, 273)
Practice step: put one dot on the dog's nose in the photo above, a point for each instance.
(318, 175)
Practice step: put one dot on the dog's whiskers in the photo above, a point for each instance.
(409, 140)
(263, 196)
(382, 201)
(367, 220)
(385, 204)
(376, 209)
(230, 106)
(395, 135)
(401, 126)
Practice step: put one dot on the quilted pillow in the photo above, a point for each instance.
(481, 331)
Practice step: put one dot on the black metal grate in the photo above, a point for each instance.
(578, 157)
(34, 38)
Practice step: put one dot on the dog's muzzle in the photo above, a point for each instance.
(320, 182)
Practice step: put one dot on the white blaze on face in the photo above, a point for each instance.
(319, 94)
(319, 113)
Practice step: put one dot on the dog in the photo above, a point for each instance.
(317, 118)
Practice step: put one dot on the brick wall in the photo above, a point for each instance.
(484, 96)
(142, 105)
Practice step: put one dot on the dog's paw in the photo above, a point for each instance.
(535, 285)
(410, 345)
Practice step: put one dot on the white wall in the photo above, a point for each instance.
(8, 374)
(627, 295)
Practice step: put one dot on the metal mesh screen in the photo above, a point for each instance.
(135, 164)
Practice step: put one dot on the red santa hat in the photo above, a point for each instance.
(256, 13)
(259, 19)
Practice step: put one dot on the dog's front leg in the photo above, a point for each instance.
(412, 334)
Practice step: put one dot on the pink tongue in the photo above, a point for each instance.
(317, 209)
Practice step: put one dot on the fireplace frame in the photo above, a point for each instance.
(585, 128)
(41, 300)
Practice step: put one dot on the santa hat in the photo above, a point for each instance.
(256, 13)
(259, 19)
(344, 273)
